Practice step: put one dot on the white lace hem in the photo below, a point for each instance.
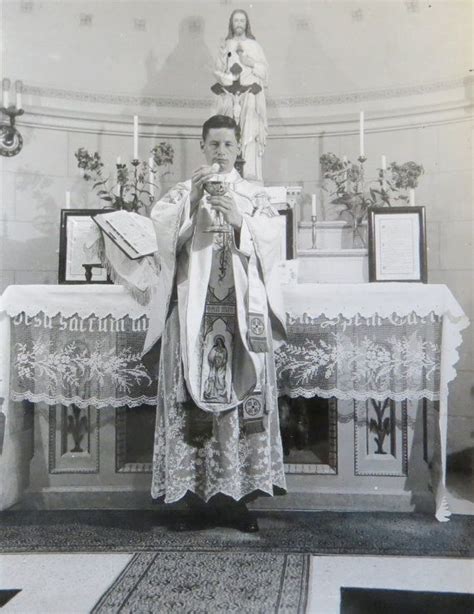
(81, 402)
(357, 395)
(176, 495)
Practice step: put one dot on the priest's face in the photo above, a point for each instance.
(221, 147)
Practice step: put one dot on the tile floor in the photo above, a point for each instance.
(72, 583)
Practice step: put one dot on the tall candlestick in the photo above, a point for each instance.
(150, 176)
(361, 133)
(384, 163)
(346, 173)
(5, 92)
(411, 193)
(313, 205)
(135, 137)
(68, 199)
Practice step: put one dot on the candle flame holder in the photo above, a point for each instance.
(313, 232)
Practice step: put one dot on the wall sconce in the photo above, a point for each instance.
(11, 140)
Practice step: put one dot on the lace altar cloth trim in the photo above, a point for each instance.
(84, 403)
(96, 361)
(95, 358)
(82, 300)
(330, 300)
(413, 395)
(384, 299)
(361, 357)
(82, 361)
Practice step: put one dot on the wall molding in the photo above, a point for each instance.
(272, 102)
(316, 126)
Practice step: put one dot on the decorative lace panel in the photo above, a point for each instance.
(397, 357)
(96, 361)
(86, 361)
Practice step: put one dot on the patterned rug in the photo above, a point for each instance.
(372, 533)
(209, 583)
(390, 601)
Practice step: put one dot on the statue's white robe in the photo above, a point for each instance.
(249, 110)
(230, 461)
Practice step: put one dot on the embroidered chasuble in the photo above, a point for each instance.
(218, 326)
(214, 307)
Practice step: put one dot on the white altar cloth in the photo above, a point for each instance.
(311, 309)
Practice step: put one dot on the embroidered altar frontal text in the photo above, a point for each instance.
(96, 360)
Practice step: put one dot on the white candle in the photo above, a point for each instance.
(68, 199)
(384, 163)
(117, 189)
(150, 176)
(18, 88)
(119, 160)
(135, 137)
(313, 205)
(411, 193)
(344, 160)
(361, 133)
(6, 99)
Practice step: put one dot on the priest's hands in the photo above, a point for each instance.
(226, 205)
(199, 178)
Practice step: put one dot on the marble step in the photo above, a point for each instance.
(345, 266)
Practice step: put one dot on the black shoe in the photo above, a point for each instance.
(189, 523)
(248, 523)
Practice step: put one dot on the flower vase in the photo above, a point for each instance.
(359, 236)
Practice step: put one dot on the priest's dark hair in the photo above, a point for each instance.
(248, 30)
(220, 121)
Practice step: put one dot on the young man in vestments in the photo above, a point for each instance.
(216, 313)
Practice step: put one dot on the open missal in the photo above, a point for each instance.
(134, 234)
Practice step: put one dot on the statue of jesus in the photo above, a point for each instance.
(241, 60)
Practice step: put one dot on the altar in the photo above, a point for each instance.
(379, 357)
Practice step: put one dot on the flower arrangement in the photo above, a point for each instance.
(350, 190)
(133, 188)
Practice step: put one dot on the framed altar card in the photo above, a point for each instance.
(287, 247)
(77, 227)
(397, 244)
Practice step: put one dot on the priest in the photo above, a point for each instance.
(215, 315)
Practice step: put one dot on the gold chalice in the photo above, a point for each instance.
(217, 187)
